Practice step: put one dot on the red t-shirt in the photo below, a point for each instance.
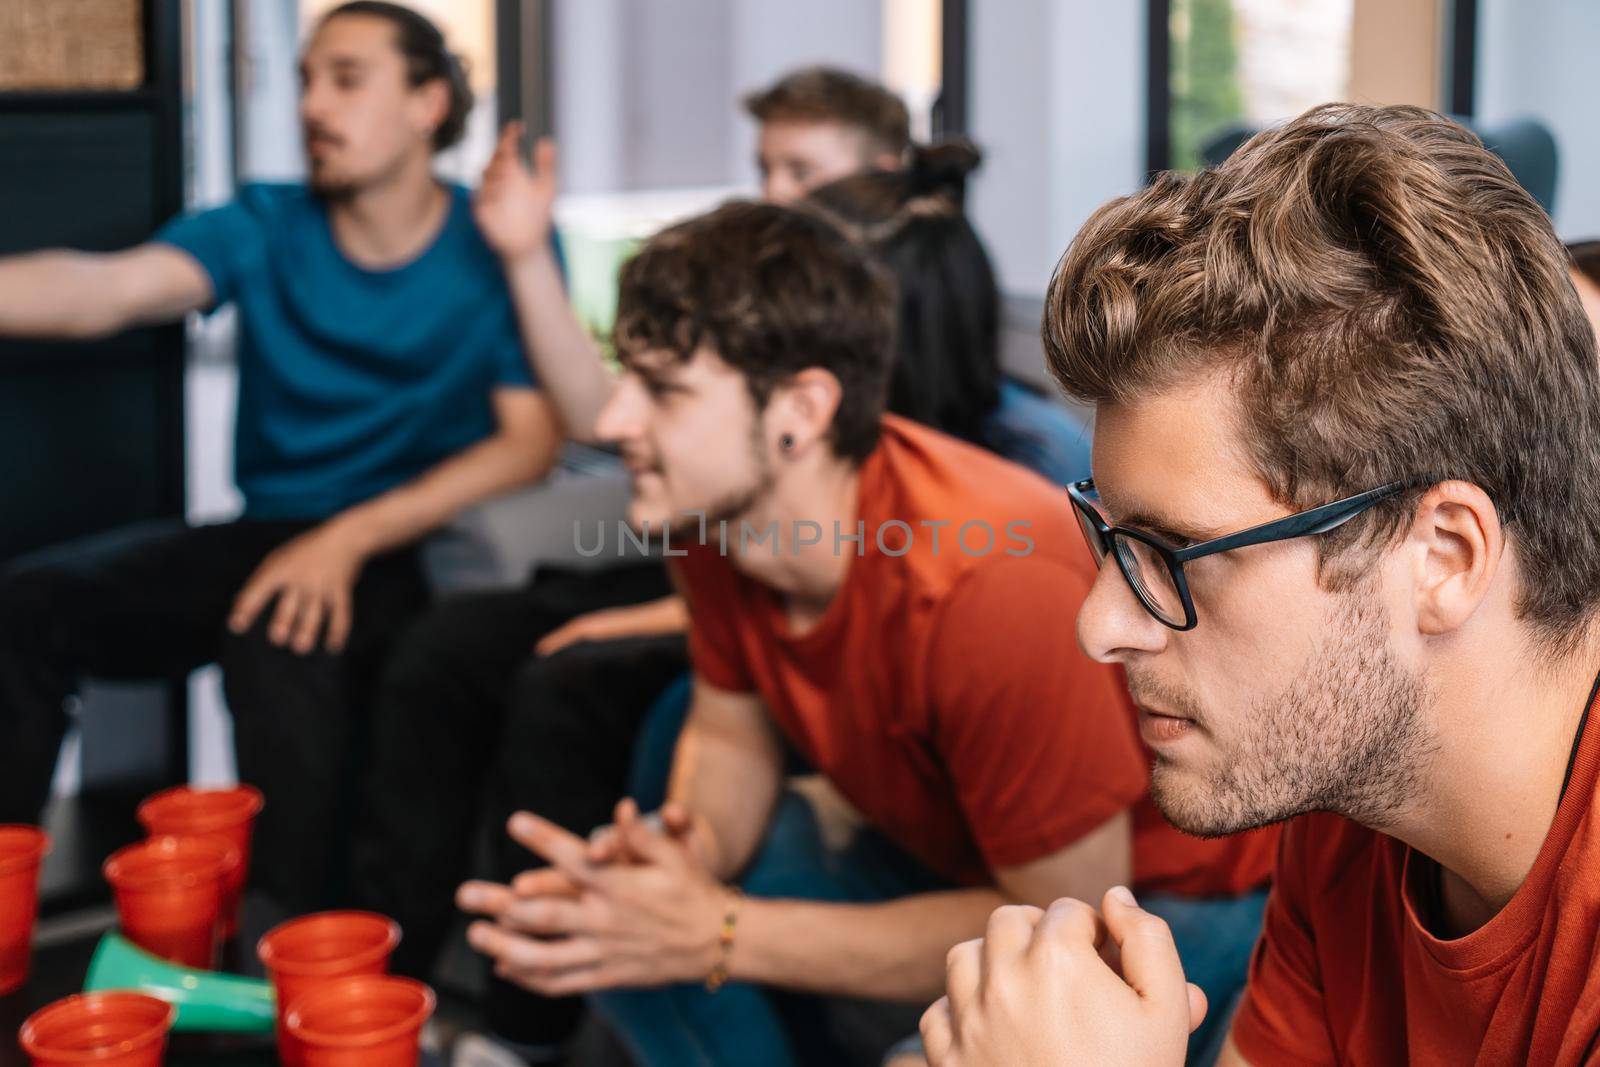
(1346, 970)
(943, 691)
(1166, 860)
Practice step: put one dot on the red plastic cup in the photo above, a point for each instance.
(368, 1021)
(22, 850)
(314, 950)
(169, 895)
(229, 815)
(103, 1029)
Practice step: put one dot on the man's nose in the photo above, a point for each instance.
(621, 417)
(1113, 626)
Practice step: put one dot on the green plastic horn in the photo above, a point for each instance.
(206, 1001)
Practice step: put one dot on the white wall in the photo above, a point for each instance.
(589, 100)
(677, 61)
(269, 142)
(774, 36)
(1057, 104)
(1537, 58)
(647, 93)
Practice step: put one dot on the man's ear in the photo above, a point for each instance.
(886, 161)
(803, 408)
(1459, 543)
(432, 98)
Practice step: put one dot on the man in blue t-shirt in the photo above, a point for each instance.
(382, 388)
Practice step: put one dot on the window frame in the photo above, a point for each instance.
(1460, 56)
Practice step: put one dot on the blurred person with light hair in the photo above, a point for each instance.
(820, 124)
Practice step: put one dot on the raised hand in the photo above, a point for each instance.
(513, 203)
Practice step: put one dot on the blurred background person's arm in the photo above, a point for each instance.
(513, 209)
(81, 295)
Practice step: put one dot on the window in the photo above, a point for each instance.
(644, 100)
(1221, 69)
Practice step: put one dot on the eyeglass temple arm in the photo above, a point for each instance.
(1318, 520)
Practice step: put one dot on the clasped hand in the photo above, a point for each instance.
(1065, 985)
(636, 906)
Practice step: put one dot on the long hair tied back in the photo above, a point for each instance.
(874, 206)
(947, 371)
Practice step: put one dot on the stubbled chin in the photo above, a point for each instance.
(1179, 797)
(1191, 800)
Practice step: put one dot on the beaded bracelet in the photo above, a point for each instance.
(730, 920)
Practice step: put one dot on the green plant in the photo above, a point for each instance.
(1205, 80)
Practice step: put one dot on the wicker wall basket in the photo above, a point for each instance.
(71, 44)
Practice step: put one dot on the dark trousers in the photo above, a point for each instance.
(470, 726)
(151, 602)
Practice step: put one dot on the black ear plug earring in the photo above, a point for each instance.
(786, 442)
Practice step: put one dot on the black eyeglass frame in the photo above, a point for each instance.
(1317, 520)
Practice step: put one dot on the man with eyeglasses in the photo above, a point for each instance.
(1347, 505)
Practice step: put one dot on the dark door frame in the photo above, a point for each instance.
(950, 109)
(524, 89)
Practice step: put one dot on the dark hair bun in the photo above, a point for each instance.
(942, 167)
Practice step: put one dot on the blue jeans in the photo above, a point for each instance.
(1214, 938)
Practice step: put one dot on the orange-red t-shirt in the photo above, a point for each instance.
(943, 691)
(1346, 970)
(1166, 860)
